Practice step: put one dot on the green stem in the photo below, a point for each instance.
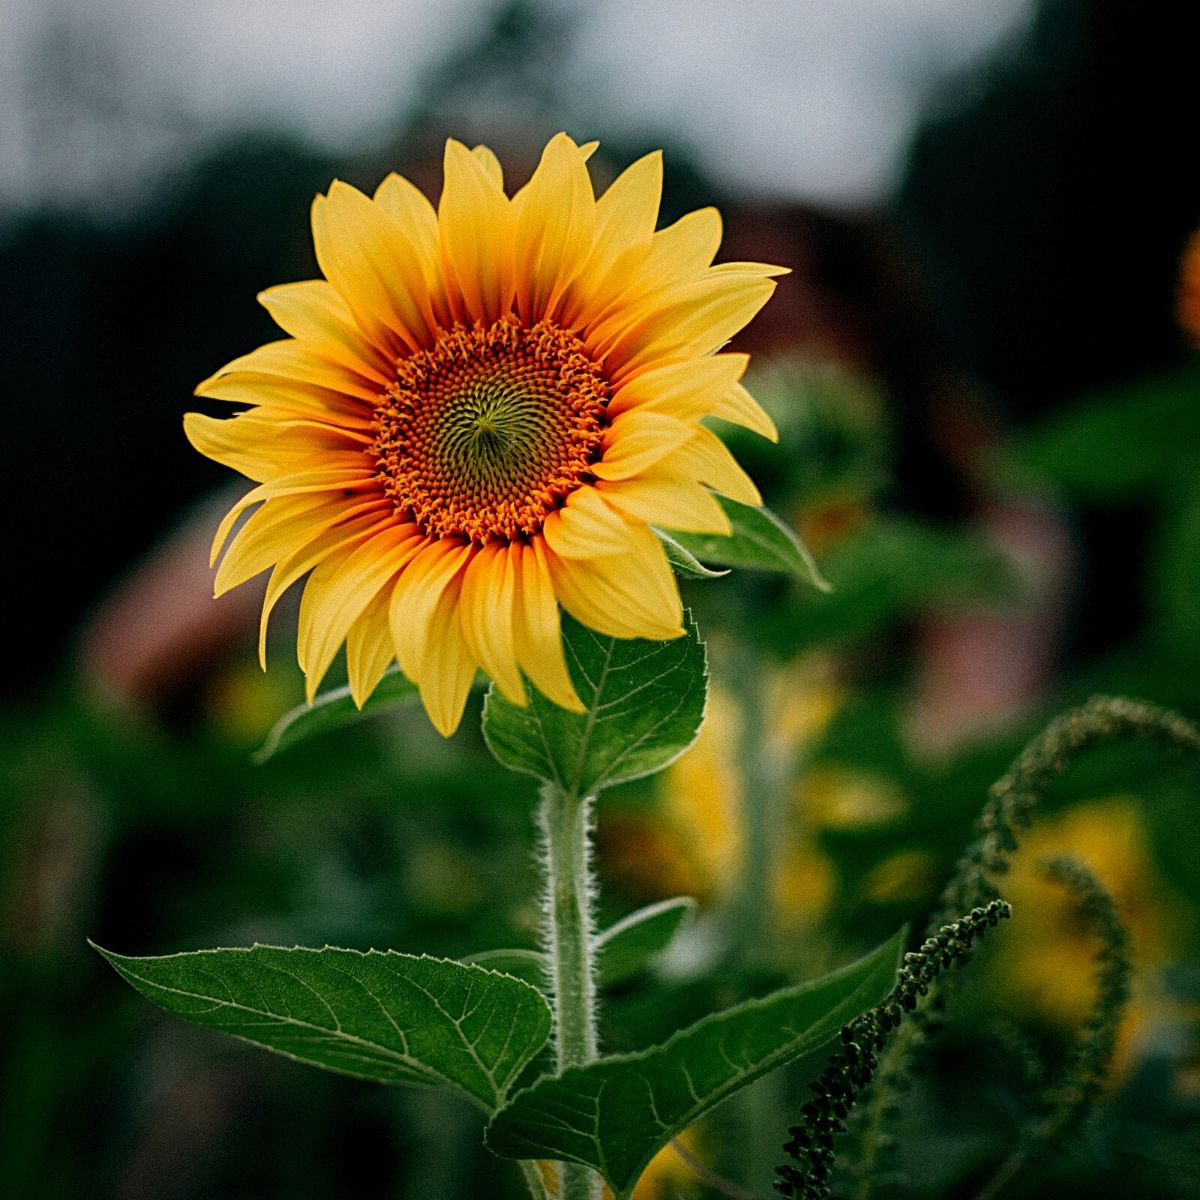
(764, 799)
(570, 947)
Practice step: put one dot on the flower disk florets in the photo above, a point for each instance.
(489, 431)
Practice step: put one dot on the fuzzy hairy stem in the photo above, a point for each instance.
(570, 946)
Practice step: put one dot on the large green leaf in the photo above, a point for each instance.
(333, 709)
(760, 541)
(644, 704)
(390, 1017)
(615, 1114)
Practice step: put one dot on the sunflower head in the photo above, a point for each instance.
(477, 416)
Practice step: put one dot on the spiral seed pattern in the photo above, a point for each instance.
(489, 431)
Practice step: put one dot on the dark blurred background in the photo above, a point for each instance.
(991, 438)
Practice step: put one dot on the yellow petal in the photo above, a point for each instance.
(686, 248)
(688, 390)
(262, 445)
(738, 406)
(448, 668)
(693, 321)
(277, 529)
(756, 270)
(693, 389)
(586, 527)
(317, 317)
(706, 458)
(648, 281)
(487, 612)
(415, 598)
(346, 477)
(339, 590)
(625, 218)
(290, 396)
(365, 254)
(629, 595)
(628, 211)
(491, 164)
(410, 208)
(289, 362)
(555, 228)
(288, 570)
(412, 212)
(635, 441)
(475, 220)
(668, 501)
(537, 628)
(369, 650)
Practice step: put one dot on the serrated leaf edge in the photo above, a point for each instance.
(116, 961)
(639, 1056)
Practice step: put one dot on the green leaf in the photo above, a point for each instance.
(529, 965)
(760, 541)
(624, 949)
(644, 704)
(1174, 572)
(685, 563)
(889, 570)
(333, 709)
(615, 1114)
(1112, 445)
(392, 1018)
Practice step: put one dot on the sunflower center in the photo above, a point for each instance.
(487, 432)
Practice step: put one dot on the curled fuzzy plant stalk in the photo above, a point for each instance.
(853, 1067)
(1014, 798)
(1070, 1099)
(1012, 801)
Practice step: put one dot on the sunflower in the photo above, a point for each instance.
(479, 415)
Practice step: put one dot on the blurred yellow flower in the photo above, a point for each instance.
(703, 791)
(1045, 965)
(478, 414)
(666, 1177)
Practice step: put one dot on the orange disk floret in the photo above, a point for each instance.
(488, 432)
